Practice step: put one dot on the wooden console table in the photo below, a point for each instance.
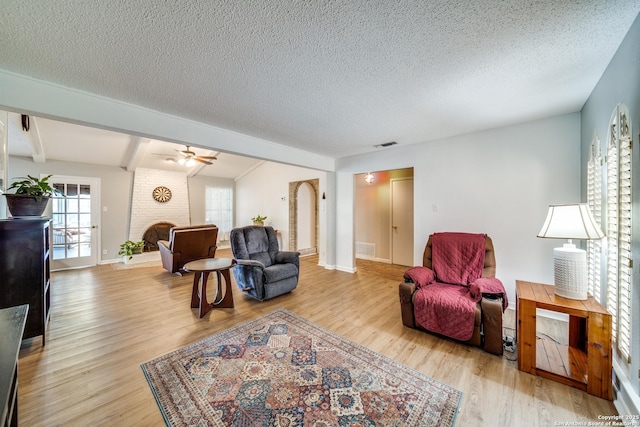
(586, 362)
(12, 322)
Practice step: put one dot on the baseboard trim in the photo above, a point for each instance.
(627, 401)
(327, 266)
(346, 269)
(370, 258)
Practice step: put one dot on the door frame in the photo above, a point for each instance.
(391, 239)
(293, 211)
(96, 218)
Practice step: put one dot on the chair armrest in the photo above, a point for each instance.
(250, 263)
(288, 257)
(169, 259)
(406, 290)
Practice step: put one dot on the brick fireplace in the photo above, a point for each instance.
(158, 231)
(146, 212)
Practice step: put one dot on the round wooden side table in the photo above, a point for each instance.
(201, 269)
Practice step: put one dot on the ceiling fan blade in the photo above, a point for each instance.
(208, 157)
(197, 159)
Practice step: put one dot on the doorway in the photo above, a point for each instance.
(303, 216)
(383, 206)
(75, 222)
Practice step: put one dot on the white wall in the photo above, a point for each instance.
(197, 193)
(499, 182)
(344, 238)
(265, 191)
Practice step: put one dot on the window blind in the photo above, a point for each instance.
(618, 210)
(624, 247)
(594, 201)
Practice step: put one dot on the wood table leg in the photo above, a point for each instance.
(599, 354)
(199, 293)
(526, 319)
(225, 301)
(195, 293)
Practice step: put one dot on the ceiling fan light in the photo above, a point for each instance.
(369, 178)
(181, 161)
(190, 162)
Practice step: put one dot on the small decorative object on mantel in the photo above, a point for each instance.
(131, 248)
(31, 196)
(258, 220)
(161, 194)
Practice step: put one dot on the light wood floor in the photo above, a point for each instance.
(106, 322)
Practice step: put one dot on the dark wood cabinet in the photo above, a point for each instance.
(24, 270)
(12, 322)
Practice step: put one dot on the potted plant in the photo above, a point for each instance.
(131, 248)
(30, 196)
(258, 220)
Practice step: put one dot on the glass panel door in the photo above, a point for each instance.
(74, 226)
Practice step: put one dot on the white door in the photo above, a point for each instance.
(75, 222)
(402, 221)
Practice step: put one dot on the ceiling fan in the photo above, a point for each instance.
(189, 158)
(187, 155)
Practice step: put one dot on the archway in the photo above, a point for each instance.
(303, 216)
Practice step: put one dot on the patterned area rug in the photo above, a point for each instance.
(283, 370)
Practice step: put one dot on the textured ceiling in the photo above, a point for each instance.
(332, 77)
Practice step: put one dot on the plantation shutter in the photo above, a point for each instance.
(619, 264)
(594, 201)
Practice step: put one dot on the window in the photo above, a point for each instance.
(618, 211)
(594, 201)
(219, 210)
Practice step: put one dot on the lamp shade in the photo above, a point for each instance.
(570, 222)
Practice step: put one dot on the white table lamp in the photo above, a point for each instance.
(570, 263)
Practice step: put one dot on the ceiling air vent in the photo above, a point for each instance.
(386, 144)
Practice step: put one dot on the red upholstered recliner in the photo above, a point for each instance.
(470, 310)
(188, 244)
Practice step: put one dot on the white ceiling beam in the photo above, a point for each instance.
(36, 143)
(45, 99)
(137, 150)
(199, 166)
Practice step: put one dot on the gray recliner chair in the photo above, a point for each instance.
(263, 271)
